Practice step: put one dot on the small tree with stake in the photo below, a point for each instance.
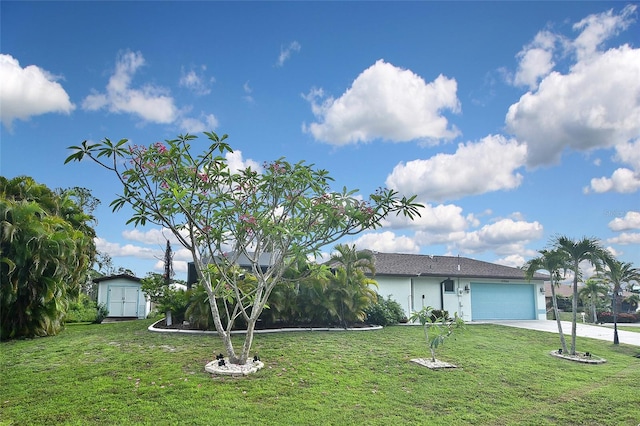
(437, 328)
(270, 217)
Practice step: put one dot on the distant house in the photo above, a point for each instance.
(476, 290)
(123, 296)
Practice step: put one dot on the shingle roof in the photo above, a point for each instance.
(398, 264)
(115, 277)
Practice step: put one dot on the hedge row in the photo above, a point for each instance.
(607, 317)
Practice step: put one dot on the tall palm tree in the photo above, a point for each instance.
(617, 273)
(577, 251)
(552, 262)
(592, 291)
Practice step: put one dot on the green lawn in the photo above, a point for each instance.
(122, 374)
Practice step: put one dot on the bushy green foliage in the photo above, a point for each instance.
(102, 312)
(46, 248)
(166, 296)
(385, 312)
(607, 317)
(439, 315)
(82, 310)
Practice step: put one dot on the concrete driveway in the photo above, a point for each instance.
(582, 330)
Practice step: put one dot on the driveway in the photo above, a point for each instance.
(582, 330)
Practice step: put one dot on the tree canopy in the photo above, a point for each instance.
(267, 219)
(46, 248)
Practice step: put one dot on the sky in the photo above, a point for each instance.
(512, 122)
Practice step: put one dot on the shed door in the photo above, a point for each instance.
(491, 301)
(123, 301)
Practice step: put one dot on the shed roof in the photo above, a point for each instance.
(115, 277)
(398, 264)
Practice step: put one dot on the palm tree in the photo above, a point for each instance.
(617, 273)
(350, 289)
(591, 291)
(552, 262)
(577, 251)
(633, 301)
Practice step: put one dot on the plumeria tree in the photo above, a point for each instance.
(267, 218)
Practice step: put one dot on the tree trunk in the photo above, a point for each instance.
(594, 313)
(556, 314)
(215, 313)
(574, 308)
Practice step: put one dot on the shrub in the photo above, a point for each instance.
(438, 314)
(607, 317)
(564, 303)
(81, 310)
(384, 312)
(102, 313)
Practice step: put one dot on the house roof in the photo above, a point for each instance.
(398, 264)
(115, 277)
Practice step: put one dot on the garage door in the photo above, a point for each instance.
(502, 301)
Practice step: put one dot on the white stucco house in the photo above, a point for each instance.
(123, 296)
(476, 290)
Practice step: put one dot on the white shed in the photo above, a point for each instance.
(123, 296)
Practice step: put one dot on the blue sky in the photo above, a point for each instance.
(512, 121)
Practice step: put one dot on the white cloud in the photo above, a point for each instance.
(127, 250)
(153, 236)
(596, 29)
(504, 236)
(622, 180)
(247, 92)
(513, 260)
(386, 242)
(613, 251)
(385, 102)
(629, 153)
(196, 81)
(179, 266)
(631, 220)
(236, 162)
(625, 238)
(29, 91)
(595, 105)
(285, 52)
(441, 218)
(206, 122)
(151, 103)
(535, 60)
(475, 168)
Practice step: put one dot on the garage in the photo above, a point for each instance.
(496, 301)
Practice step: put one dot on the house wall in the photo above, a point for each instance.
(414, 293)
(104, 296)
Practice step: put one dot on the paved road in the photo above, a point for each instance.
(582, 330)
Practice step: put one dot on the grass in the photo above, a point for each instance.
(629, 328)
(120, 373)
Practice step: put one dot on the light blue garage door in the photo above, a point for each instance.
(491, 301)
